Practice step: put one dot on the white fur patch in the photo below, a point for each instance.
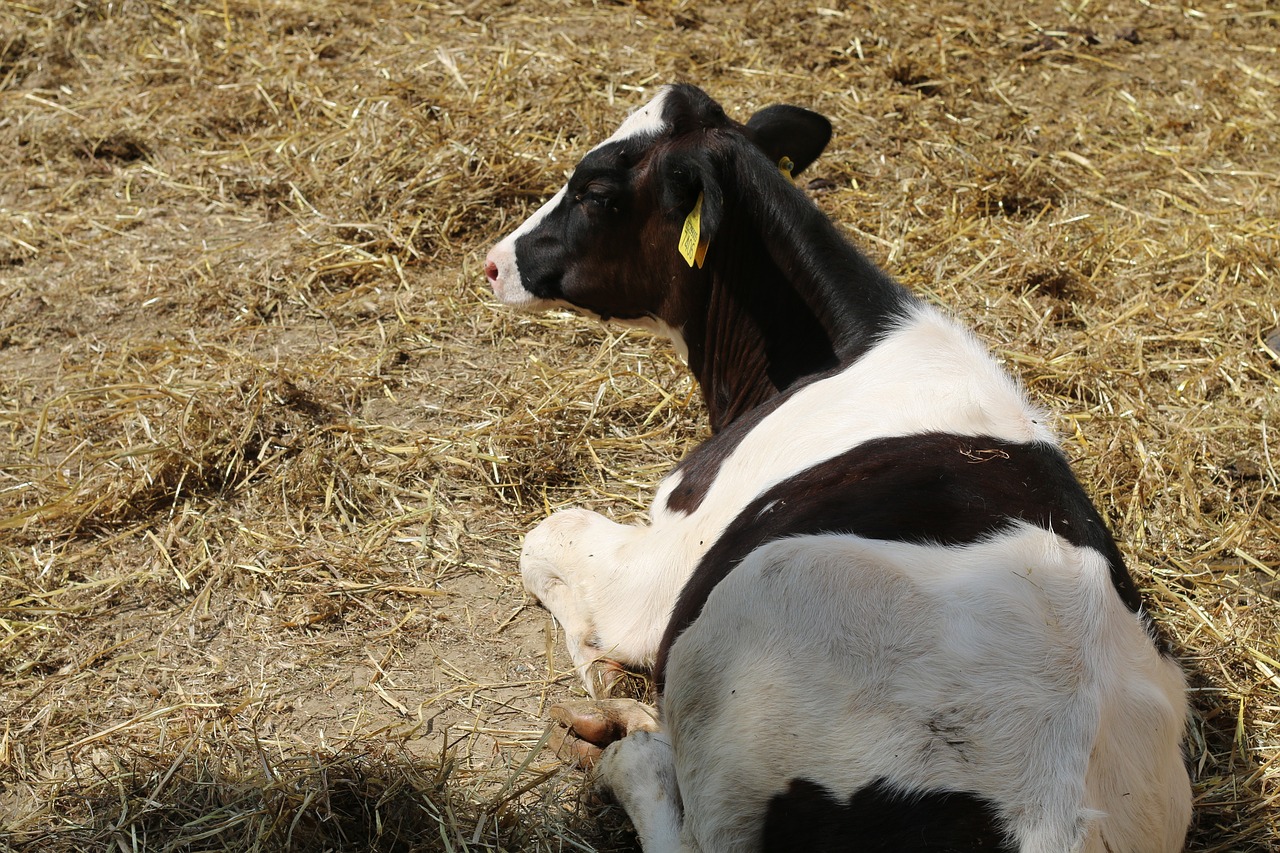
(642, 122)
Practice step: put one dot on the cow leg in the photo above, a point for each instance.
(543, 570)
(579, 565)
(640, 772)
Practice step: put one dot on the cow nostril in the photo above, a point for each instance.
(491, 270)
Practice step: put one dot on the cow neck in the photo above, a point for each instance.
(743, 354)
(763, 329)
(853, 300)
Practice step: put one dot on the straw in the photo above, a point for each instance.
(268, 447)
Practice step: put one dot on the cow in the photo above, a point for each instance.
(880, 610)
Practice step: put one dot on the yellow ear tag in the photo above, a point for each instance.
(786, 166)
(692, 247)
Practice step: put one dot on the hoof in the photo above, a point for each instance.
(573, 750)
(592, 724)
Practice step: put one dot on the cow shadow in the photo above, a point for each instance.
(1233, 809)
(207, 794)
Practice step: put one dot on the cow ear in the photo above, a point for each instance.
(691, 176)
(794, 133)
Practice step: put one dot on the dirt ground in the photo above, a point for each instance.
(269, 446)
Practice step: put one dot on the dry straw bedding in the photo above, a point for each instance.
(269, 447)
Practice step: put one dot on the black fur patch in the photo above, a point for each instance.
(808, 818)
(929, 488)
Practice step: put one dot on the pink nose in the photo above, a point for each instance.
(491, 271)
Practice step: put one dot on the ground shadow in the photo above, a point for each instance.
(242, 795)
(1234, 812)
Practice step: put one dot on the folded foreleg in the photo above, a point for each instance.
(604, 583)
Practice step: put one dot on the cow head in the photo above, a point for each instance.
(607, 244)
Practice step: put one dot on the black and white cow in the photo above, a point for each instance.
(882, 613)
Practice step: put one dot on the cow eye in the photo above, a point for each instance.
(596, 195)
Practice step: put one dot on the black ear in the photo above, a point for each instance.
(687, 175)
(792, 132)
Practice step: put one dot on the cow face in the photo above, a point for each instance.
(607, 243)
(583, 248)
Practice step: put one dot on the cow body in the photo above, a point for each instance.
(882, 612)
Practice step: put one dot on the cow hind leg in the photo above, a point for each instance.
(640, 772)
